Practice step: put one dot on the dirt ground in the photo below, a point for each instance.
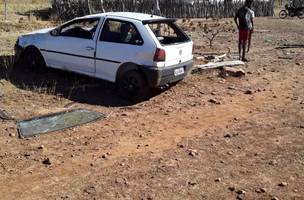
(176, 145)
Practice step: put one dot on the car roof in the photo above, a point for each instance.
(128, 15)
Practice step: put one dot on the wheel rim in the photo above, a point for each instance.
(131, 84)
(33, 61)
(283, 14)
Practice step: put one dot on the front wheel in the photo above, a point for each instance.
(33, 60)
(133, 86)
(283, 14)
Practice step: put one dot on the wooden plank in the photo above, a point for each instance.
(221, 64)
(213, 65)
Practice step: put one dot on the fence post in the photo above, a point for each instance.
(5, 10)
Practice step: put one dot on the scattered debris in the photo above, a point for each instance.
(214, 101)
(285, 57)
(290, 46)
(90, 190)
(192, 183)
(273, 163)
(5, 116)
(212, 57)
(12, 134)
(218, 180)
(46, 161)
(193, 152)
(212, 65)
(227, 136)
(241, 192)
(231, 188)
(69, 105)
(57, 121)
(240, 197)
(249, 92)
(298, 63)
(283, 184)
(260, 190)
(230, 71)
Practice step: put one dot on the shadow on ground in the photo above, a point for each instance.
(77, 88)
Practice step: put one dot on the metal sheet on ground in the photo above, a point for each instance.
(57, 121)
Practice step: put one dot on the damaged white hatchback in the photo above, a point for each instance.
(136, 51)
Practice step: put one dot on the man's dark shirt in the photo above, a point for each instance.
(245, 18)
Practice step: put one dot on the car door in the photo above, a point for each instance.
(119, 42)
(73, 47)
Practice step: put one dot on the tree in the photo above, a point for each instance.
(102, 7)
(156, 8)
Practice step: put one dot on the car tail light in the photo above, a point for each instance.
(160, 55)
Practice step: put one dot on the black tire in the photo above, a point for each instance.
(283, 14)
(300, 14)
(33, 60)
(133, 86)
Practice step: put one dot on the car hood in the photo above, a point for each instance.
(41, 31)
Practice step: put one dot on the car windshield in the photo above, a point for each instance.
(168, 33)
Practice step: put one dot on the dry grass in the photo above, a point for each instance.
(19, 21)
(24, 6)
(10, 30)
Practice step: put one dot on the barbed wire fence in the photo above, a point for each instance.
(68, 9)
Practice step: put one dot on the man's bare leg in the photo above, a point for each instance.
(249, 43)
(244, 51)
(240, 49)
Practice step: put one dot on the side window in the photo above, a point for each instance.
(120, 32)
(83, 28)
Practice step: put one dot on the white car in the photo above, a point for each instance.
(137, 51)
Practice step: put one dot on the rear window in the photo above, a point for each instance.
(168, 33)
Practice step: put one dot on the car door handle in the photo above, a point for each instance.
(89, 48)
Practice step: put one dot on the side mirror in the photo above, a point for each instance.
(55, 32)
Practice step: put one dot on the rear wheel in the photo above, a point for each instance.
(133, 86)
(33, 60)
(301, 14)
(283, 14)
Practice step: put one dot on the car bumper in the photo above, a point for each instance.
(158, 77)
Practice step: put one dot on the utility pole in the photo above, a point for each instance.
(5, 10)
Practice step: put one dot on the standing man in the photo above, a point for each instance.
(244, 21)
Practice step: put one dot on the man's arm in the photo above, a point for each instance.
(236, 21)
(251, 19)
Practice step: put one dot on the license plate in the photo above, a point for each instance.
(179, 71)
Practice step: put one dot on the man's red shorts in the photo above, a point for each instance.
(244, 35)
